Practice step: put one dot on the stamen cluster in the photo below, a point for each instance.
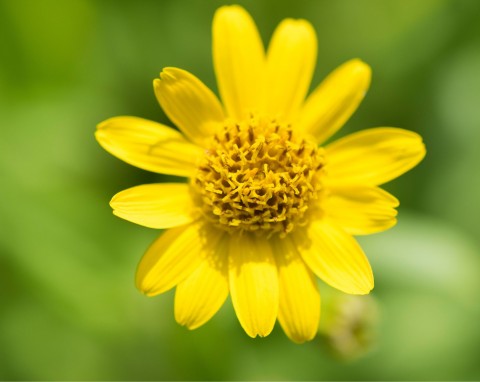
(258, 176)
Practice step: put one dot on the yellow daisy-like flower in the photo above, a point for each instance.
(265, 207)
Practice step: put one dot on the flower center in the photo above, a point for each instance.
(257, 175)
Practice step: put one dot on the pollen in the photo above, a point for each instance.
(258, 176)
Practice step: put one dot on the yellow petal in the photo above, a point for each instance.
(174, 256)
(239, 60)
(335, 100)
(291, 59)
(253, 283)
(373, 156)
(162, 205)
(189, 104)
(299, 308)
(335, 257)
(148, 145)
(202, 294)
(361, 210)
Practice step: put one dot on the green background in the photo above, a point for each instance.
(68, 306)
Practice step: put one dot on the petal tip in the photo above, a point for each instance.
(360, 65)
(299, 23)
(361, 71)
(301, 338)
(258, 332)
(258, 329)
(146, 286)
(364, 288)
(422, 149)
(230, 14)
(167, 74)
(102, 125)
(99, 134)
(229, 10)
(142, 289)
(300, 29)
(113, 201)
(111, 121)
(185, 321)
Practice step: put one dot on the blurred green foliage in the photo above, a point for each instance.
(69, 310)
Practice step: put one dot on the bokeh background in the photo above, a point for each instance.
(68, 306)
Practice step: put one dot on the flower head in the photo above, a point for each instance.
(265, 207)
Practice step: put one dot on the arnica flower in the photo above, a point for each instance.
(265, 206)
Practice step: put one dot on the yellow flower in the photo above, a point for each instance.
(265, 207)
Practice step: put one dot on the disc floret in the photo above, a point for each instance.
(258, 176)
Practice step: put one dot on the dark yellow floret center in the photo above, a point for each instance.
(257, 175)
